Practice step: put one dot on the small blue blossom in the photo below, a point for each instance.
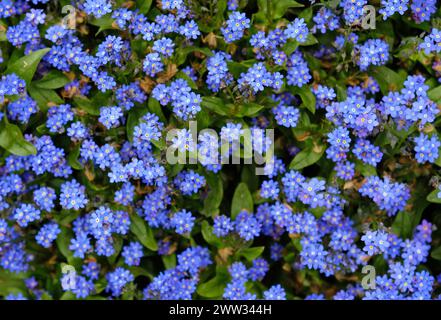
(132, 254)
(426, 148)
(222, 226)
(182, 221)
(47, 234)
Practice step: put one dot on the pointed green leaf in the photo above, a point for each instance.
(242, 200)
(26, 66)
(12, 140)
(143, 232)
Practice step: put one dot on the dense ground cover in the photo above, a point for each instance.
(332, 108)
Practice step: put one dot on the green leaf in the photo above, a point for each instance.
(160, 144)
(143, 232)
(44, 97)
(216, 105)
(242, 200)
(72, 158)
(250, 109)
(183, 75)
(26, 66)
(63, 243)
(52, 80)
(68, 295)
(214, 288)
(433, 196)
(306, 14)
(155, 108)
(402, 224)
(236, 68)
(388, 80)
(215, 195)
(281, 6)
(251, 253)
(310, 41)
(143, 6)
(406, 221)
(182, 53)
(104, 23)
(209, 236)
(140, 271)
(12, 140)
(46, 296)
(169, 261)
(203, 119)
(366, 170)
(290, 46)
(435, 94)
(87, 105)
(307, 157)
(133, 119)
(101, 285)
(11, 283)
(341, 92)
(308, 98)
(117, 245)
(436, 253)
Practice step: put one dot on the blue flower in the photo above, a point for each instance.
(222, 226)
(258, 270)
(275, 292)
(117, 280)
(376, 242)
(389, 7)
(132, 254)
(218, 75)
(22, 109)
(182, 221)
(153, 64)
(286, 116)
(236, 24)
(352, 10)
(389, 196)
(269, 189)
(73, 195)
(247, 226)
(298, 73)
(98, 8)
(190, 30)
(47, 234)
(110, 117)
(426, 148)
(26, 213)
(44, 198)
(189, 182)
(297, 30)
(423, 10)
(58, 117)
(325, 20)
(373, 52)
(164, 46)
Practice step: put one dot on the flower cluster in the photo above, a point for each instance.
(388, 195)
(184, 150)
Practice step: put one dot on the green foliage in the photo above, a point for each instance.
(26, 66)
(242, 200)
(143, 232)
(12, 140)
